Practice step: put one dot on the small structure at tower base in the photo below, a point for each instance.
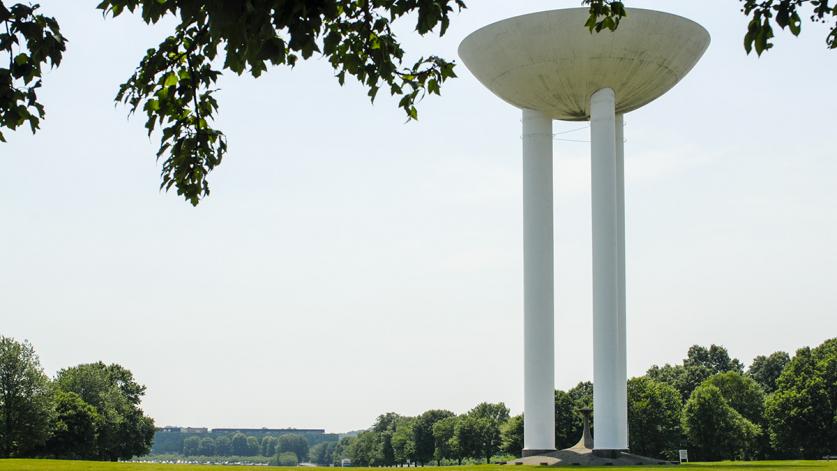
(583, 454)
(587, 457)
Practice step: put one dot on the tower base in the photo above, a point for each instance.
(528, 453)
(587, 457)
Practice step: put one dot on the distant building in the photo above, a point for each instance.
(171, 429)
(194, 430)
(270, 430)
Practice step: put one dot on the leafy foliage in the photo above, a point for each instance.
(285, 459)
(714, 429)
(74, 427)
(766, 369)
(28, 42)
(322, 453)
(423, 433)
(742, 393)
(604, 14)
(124, 431)
(486, 419)
(802, 413)
(511, 435)
(785, 14)
(89, 411)
(654, 410)
(568, 420)
(174, 83)
(445, 440)
(700, 363)
(403, 442)
(25, 400)
(763, 14)
(191, 446)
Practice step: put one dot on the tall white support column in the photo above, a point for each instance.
(622, 402)
(609, 379)
(538, 301)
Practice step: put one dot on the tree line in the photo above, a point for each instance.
(89, 411)
(241, 445)
(779, 407)
(287, 449)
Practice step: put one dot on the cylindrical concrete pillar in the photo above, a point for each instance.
(538, 302)
(622, 374)
(609, 380)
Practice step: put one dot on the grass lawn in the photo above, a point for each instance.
(54, 465)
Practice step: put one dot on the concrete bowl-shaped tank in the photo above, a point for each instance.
(550, 62)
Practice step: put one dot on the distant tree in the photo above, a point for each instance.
(700, 363)
(582, 395)
(488, 419)
(511, 436)
(568, 421)
(802, 412)
(341, 450)
(73, 428)
(223, 446)
(365, 449)
(494, 412)
(446, 443)
(293, 443)
(191, 446)
(715, 358)
(322, 453)
(654, 410)
(25, 400)
(403, 441)
(239, 444)
(742, 393)
(714, 429)
(268, 445)
(207, 447)
(468, 437)
(254, 449)
(124, 430)
(384, 427)
(423, 433)
(287, 458)
(766, 369)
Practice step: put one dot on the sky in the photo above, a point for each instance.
(348, 263)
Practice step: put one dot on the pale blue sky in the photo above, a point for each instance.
(348, 264)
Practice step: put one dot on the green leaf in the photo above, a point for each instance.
(171, 79)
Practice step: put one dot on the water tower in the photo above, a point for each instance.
(549, 65)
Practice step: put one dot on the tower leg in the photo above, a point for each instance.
(609, 370)
(538, 302)
(622, 365)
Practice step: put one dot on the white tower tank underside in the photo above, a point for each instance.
(549, 61)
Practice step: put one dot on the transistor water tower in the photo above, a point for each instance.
(549, 65)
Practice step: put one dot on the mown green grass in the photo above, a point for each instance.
(55, 465)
